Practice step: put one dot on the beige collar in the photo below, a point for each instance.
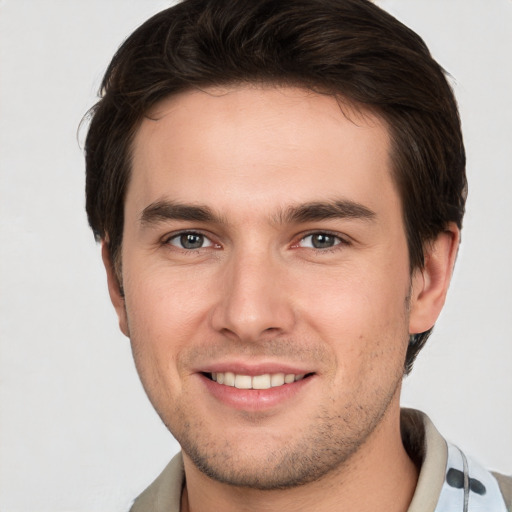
(426, 445)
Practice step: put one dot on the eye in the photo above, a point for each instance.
(320, 241)
(190, 241)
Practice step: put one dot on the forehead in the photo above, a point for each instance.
(251, 143)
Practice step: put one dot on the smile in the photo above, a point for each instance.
(264, 381)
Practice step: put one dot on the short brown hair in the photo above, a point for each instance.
(348, 48)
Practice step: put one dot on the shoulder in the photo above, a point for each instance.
(164, 494)
(448, 476)
(505, 483)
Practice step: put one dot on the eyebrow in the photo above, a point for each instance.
(169, 210)
(163, 210)
(322, 210)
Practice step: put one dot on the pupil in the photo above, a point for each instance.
(191, 241)
(321, 241)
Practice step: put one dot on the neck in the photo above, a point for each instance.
(379, 476)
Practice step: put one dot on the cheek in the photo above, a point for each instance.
(162, 323)
(355, 301)
(165, 301)
(363, 319)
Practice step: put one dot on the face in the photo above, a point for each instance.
(266, 279)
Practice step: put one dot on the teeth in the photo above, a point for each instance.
(229, 379)
(277, 380)
(264, 381)
(242, 382)
(261, 381)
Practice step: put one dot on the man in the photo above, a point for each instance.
(279, 190)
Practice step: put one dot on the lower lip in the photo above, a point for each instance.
(255, 399)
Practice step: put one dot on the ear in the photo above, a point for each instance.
(114, 289)
(430, 284)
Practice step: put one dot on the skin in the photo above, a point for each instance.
(258, 295)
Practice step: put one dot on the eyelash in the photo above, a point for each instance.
(179, 235)
(339, 241)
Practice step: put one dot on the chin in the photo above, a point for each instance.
(246, 461)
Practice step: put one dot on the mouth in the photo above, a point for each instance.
(259, 382)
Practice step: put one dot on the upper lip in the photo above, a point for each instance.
(252, 369)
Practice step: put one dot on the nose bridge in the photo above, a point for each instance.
(254, 301)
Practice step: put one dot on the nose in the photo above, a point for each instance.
(254, 303)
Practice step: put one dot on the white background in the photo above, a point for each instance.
(77, 432)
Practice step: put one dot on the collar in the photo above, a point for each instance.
(429, 451)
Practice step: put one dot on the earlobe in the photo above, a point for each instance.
(430, 284)
(114, 289)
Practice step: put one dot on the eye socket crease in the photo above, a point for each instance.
(320, 239)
